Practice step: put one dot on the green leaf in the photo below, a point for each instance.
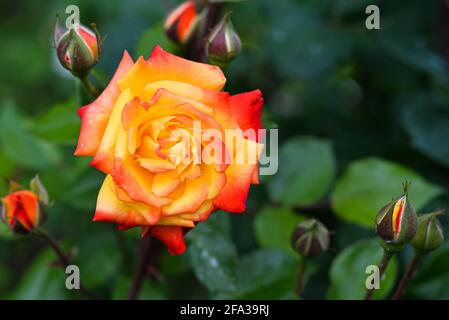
(313, 47)
(266, 274)
(415, 54)
(98, 259)
(263, 274)
(19, 145)
(432, 276)
(274, 227)
(174, 265)
(213, 256)
(368, 184)
(41, 281)
(347, 272)
(59, 124)
(308, 168)
(426, 119)
(82, 193)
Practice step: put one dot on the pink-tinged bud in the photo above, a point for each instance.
(180, 23)
(78, 49)
(24, 210)
(223, 43)
(396, 223)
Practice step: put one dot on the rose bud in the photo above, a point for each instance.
(310, 238)
(430, 233)
(180, 23)
(24, 210)
(223, 43)
(78, 49)
(21, 211)
(396, 223)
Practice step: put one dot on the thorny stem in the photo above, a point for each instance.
(382, 267)
(144, 260)
(63, 258)
(88, 85)
(406, 278)
(300, 276)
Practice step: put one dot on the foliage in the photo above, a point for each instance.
(359, 111)
(351, 264)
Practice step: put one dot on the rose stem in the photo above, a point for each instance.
(88, 85)
(406, 278)
(144, 259)
(63, 258)
(382, 267)
(300, 276)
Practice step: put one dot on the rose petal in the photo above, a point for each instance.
(111, 209)
(95, 116)
(247, 108)
(172, 236)
(195, 193)
(232, 197)
(164, 66)
(136, 182)
(104, 159)
(156, 165)
(165, 183)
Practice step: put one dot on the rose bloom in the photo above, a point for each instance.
(141, 133)
(21, 211)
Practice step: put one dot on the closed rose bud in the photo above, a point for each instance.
(396, 223)
(21, 211)
(310, 238)
(223, 43)
(180, 23)
(78, 49)
(430, 233)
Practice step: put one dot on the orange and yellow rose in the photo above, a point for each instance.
(143, 132)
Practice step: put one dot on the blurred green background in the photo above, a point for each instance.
(359, 111)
